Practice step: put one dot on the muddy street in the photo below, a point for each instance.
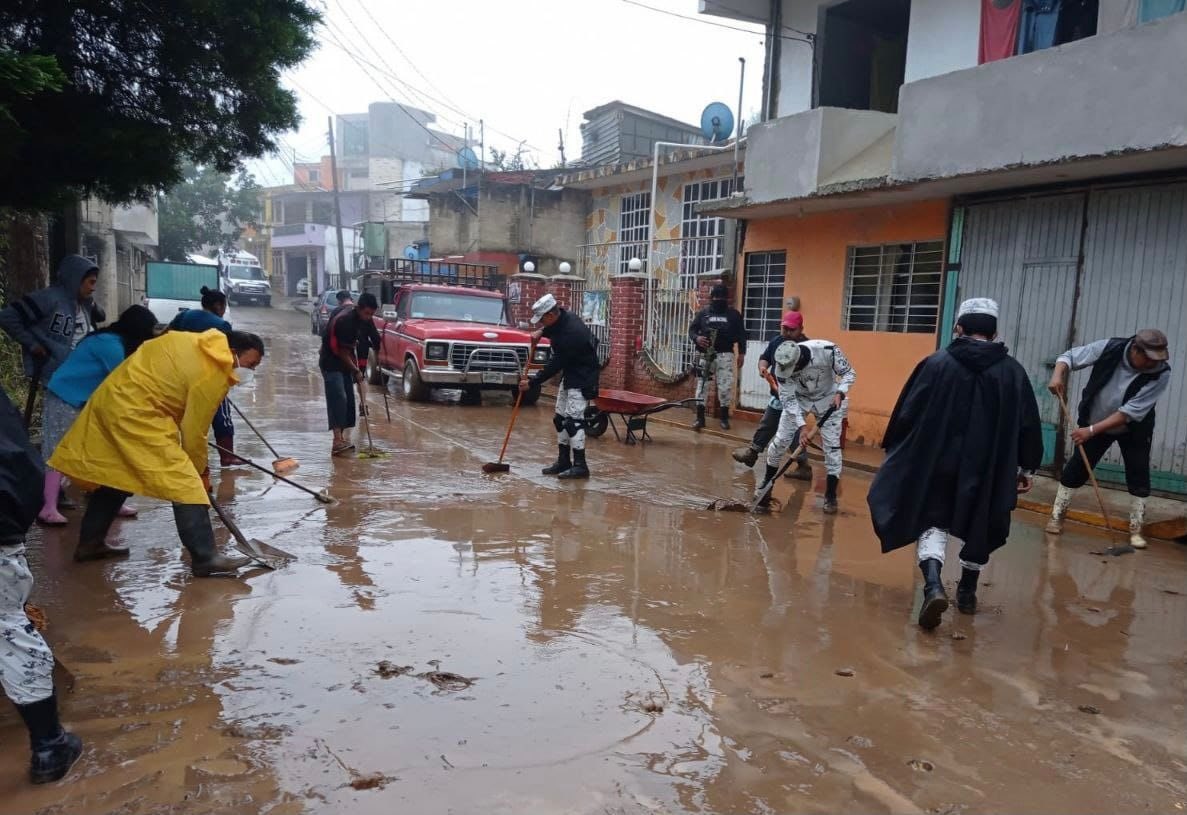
(606, 646)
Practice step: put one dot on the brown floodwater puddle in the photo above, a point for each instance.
(622, 649)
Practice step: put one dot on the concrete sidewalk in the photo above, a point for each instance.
(1163, 515)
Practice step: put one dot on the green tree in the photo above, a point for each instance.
(207, 210)
(146, 87)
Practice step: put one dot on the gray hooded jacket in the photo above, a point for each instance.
(46, 317)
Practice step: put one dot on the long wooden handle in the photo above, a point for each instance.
(1100, 499)
(271, 449)
(231, 526)
(325, 499)
(518, 401)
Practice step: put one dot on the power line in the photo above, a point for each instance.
(806, 40)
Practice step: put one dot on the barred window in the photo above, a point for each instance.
(894, 287)
(762, 293)
(634, 225)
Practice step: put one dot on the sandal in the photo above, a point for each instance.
(345, 448)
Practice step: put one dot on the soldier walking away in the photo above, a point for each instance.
(790, 328)
(26, 662)
(1129, 374)
(962, 443)
(814, 375)
(575, 355)
(715, 330)
(143, 432)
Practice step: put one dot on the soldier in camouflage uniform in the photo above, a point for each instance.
(716, 330)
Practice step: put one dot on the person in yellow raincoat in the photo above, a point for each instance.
(143, 431)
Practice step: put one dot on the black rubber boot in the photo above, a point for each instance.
(830, 495)
(725, 418)
(746, 455)
(54, 751)
(579, 469)
(227, 459)
(102, 507)
(197, 536)
(935, 601)
(767, 479)
(562, 463)
(700, 420)
(966, 591)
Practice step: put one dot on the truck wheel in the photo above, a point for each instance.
(596, 423)
(267, 302)
(375, 376)
(414, 389)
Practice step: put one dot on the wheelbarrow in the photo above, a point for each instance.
(632, 409)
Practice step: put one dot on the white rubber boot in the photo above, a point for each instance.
(1063, 497)
(1137, 518)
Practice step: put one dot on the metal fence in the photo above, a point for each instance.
(674, 266)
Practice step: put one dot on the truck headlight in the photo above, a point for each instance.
(541, 355)
(437, 351)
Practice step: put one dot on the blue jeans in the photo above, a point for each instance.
(340, 405)
(222, 421)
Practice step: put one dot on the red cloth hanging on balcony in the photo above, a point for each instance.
(999, 29)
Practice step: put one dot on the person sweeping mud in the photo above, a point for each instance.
(790, 328)
(26, 661)
(73, 383)
(575, 356)
(962, 443)
(1129, 375)
(143, 431)
(813, 376)
(715, 330)
(339, 366)
(196, 320)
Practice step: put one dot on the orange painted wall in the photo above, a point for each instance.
(816, 247)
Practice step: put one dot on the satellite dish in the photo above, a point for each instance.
(466, 159)
(717, 122)
(410, 252)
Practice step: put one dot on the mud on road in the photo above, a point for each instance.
(625, 650)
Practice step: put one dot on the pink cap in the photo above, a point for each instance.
(793, 320)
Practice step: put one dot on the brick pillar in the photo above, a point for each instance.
(626, 328)
(561, 287)
(531, 289)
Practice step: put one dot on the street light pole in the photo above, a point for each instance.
(342, 283)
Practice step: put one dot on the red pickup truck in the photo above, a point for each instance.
(449, 336)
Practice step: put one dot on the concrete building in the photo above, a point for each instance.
(617, 133)
(504, 218)
(120, 240)
(916, 152)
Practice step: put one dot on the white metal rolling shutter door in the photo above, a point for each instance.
(1135, 276)
(1023, 253)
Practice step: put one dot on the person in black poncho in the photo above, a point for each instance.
(961, 445)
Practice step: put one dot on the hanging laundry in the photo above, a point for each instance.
(999, 29)
(1157, 9)
(1040, 19)
(1117, 15)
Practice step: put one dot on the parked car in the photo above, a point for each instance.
(303, 287)
(326, 302)
(450, 336)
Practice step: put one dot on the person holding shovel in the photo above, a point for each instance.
(715, 330)
(962, 443)
(813, 375)
(575, 356)
(790, 328)
(26, 661)
(340, 371)
(1129, 375)
(144, 430)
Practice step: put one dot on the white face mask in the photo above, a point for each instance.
(245, 375)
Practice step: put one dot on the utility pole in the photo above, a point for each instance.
(481, 175)
(560, 134)
(342, 282)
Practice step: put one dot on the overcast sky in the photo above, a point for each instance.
(527, 67)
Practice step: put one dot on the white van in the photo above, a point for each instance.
(244, 278)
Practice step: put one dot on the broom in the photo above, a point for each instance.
(282, 464)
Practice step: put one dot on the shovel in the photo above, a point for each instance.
(321, 496)
(1091, 475)
(262, 553)
(765, 489)
(499, 466)
(282, 464)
